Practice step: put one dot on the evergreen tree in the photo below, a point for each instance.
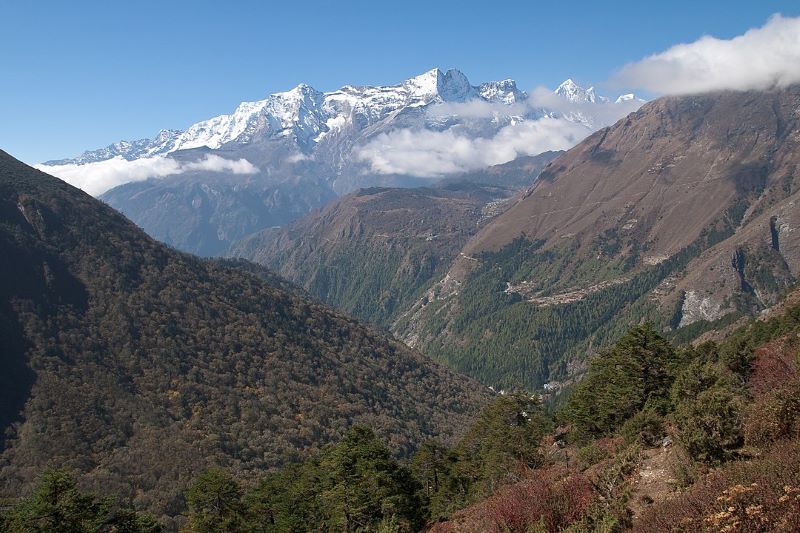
(363, 485)
(58, 506)
(620, 381)
(215, 504)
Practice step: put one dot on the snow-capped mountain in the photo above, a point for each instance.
(307, 115)
(308, 147)
(572, 92)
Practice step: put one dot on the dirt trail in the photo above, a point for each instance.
(656, 482)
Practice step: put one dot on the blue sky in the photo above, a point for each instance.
(80, 75)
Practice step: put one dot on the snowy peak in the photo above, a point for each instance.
(306, 117)
(453, 86)
(450, 86)
(426, 84)
(505, 92)
(630, 97)
(572, 92)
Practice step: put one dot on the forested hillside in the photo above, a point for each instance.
(139, 367)
(658, 437)
(374, 252)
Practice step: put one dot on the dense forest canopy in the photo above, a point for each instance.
(139, 367)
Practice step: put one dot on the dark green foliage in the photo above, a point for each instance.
(502, 443)
(352, 486)
(620, 382)
(288, 500)
(590, 454)
(506, 341)
(645, 427)
(362, 485)
(57, 506)
(141, 367)
(707, 396)
(429, 466)
(710, 426)
(215, 504)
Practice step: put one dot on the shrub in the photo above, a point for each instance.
(753, 496)
(591, 454)
(635, 371)
(645, 427)
(773, 416)
(547, 501)
(710, 427)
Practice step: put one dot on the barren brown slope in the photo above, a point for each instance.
(682, 212)
(669, 170)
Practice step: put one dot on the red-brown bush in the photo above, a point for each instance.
(552, 498)
(773, 365)
(745, 497)
(773, 415)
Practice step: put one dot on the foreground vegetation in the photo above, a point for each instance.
(724, 417)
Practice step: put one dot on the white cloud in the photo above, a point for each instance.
(761, 58)
(599, 114)
(97, 178)
(477, 109)
(550, 123)
(427, 153)
(296, 157)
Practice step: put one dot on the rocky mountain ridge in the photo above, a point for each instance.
(303, 147)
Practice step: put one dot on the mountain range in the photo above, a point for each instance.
(299, 149)
(373, 252)
(683, 213)
(139, 366)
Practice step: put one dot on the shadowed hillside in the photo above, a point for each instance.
(139, 366)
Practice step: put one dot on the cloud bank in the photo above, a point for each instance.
(426, 153)
(761, 58)
(97, 178)
(544, 121)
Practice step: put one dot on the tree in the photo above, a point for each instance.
(57, 506)
(504, 439)
(429, 466)
(215, 503)
(634, 372)
(287, 500)
(363, 485)
(710, 426)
